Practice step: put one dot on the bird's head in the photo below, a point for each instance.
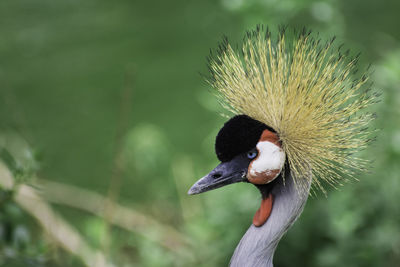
(317, 112)
(249, 151)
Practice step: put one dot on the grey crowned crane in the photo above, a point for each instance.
(300, 120)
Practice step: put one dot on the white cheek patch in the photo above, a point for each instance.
(270, 157)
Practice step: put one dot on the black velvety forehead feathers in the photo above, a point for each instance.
(238, 135)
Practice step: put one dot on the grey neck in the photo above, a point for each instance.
(257, 246)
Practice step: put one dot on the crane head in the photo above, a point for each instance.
(249, 151)
(305, 113)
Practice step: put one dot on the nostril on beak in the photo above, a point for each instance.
(216, 175)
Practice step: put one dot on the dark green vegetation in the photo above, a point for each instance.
(106, 96)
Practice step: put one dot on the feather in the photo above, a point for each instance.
(304, 90)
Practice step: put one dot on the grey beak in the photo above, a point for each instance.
(230, 172)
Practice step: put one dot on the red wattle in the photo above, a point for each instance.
(264, 211)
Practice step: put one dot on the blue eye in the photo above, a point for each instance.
(252, 154)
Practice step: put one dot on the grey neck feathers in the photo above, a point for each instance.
(257, 246)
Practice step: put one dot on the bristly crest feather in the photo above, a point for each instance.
(304, 90)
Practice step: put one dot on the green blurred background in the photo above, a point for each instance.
(106, 96)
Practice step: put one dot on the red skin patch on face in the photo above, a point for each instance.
(268, 176)
(263, 177)
(270, 137)
(264, 211)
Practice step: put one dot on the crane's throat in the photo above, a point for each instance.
(264, 211)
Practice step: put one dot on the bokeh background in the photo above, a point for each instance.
(105, 122)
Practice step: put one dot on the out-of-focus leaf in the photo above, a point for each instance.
(10, 162)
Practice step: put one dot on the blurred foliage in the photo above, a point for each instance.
(63, 69)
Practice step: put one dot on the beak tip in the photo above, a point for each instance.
(191, 192)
